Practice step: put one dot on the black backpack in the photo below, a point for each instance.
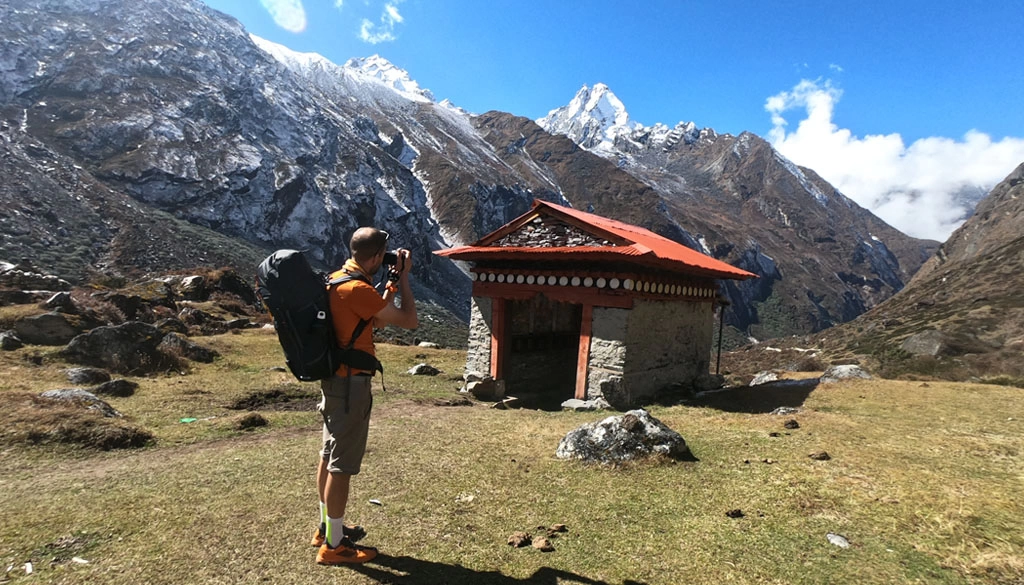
(297, 296)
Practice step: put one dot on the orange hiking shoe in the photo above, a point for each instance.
(354, 533)
(347, 552)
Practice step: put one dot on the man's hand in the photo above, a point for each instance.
(404, 261)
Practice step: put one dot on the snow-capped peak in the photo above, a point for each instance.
(386, 72)
(593, 119)
(327, 75)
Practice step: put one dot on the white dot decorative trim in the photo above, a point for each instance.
(474, 276)
(588, 281)
(501, 278)
(531, 279)
(614, 283)
(575, 281)
(563, 281)
(628, 284)
(601, 282)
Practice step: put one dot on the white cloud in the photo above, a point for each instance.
(288, 14)
(836, 68)
(370, 32)
(913, 188)
(339, 3)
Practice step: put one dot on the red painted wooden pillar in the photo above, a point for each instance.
(583, 359)
(498, 342)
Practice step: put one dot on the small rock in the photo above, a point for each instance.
(735, 513)
(423, 370)
(507, 403)
(376, 502)
(119, 388)
(768, 461)
(82, 398)
(59, 301)
(240, 323)
(428, 345)
(520, 539)
(87, 375)
(783, 410)
(578, 405)
(774, 434)
(9, 341)
(543, 545)
(820, 456)
(838, 540)
(791, 424)
(457, 401)
(843, 372)
(560, 528)
(250, 421)
(764, 378)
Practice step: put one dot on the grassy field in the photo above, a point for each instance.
(925, 481)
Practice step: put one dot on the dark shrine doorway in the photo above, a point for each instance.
(543, 338)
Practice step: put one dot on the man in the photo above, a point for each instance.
(347, 399)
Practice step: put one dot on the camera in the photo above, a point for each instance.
(390, 259)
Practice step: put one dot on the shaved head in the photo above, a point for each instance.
(366, 243)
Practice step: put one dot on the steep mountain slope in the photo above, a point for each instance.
(175, 106)
(964, 308)
(822, 258)
(231, 145)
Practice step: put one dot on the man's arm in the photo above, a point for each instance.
(404, 316)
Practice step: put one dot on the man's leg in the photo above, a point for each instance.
(336, 498)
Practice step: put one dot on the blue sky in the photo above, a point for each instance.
(824, 80)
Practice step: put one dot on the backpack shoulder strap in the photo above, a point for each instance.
(349, 277)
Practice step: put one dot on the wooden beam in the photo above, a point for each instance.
(577, 295)
(498, 341)
(583, 359)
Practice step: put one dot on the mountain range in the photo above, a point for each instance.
(149, 135)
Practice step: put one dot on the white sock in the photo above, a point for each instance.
(335, 531)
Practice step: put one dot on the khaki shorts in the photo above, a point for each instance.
(345, 432)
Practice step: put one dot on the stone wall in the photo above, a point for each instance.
(607, 354)
(478, 356)
(669, 344)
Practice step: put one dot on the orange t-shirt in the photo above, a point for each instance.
(351, 302)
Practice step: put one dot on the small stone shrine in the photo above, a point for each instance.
(568, 304)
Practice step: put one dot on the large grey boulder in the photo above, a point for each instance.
(82, 398)
(845, 372)
(633, 435)
(51, 328)
(129, 348)
(931, 342)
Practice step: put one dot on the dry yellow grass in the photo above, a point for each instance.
(924, 481)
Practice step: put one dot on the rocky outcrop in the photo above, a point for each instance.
(131, 348)
(633, 435)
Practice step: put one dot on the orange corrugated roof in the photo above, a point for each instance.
(636, 245)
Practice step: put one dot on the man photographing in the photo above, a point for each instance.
(347, 399)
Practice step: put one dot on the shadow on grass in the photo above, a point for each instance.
(759, 399)
(408, 570)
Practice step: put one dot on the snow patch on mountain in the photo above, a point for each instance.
(804, 182)
(381, 69)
